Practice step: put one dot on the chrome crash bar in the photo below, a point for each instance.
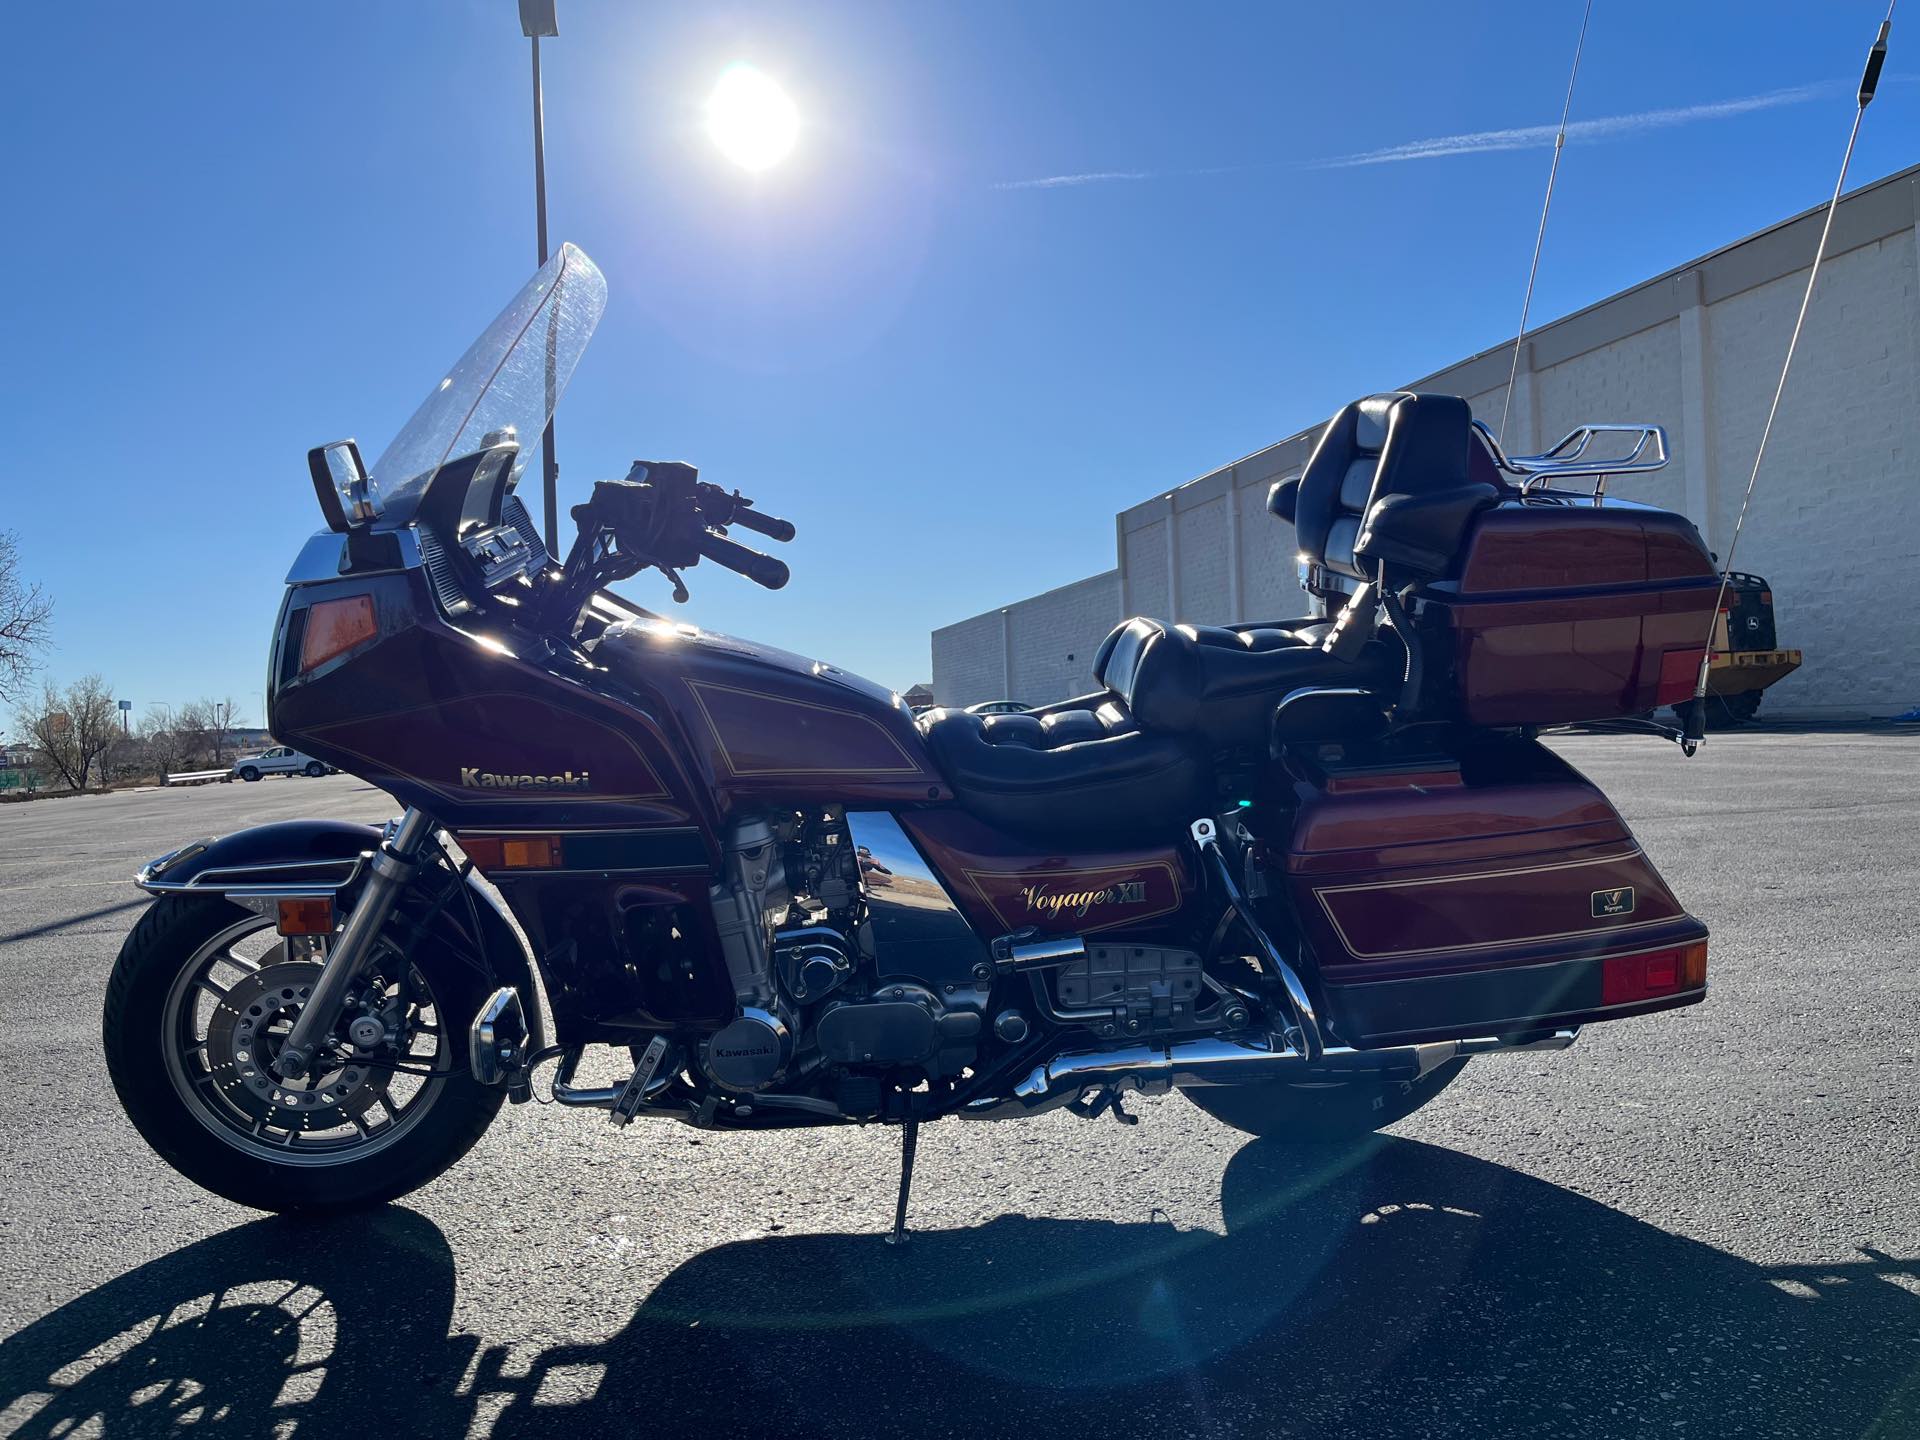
(1569, 458)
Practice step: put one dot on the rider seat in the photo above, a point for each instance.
(1080, 772)
(1221, 683)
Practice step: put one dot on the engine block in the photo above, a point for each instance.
(1157, 987)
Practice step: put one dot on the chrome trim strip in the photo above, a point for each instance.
(1154, 1069)
(211, 880)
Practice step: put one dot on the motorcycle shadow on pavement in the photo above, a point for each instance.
(1395, 1289)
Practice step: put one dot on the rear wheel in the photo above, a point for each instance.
(199, 1003)
(316, 769)
(1340, 1110)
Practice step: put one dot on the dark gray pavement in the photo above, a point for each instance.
(1700, 1224)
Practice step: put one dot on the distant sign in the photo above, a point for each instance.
(126, 704)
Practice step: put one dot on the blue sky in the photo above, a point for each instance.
(1030, 263)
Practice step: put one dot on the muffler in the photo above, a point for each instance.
(1154, 1069)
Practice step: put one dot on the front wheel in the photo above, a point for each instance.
(199, 1003)
(1338, 1110)
(247, 772)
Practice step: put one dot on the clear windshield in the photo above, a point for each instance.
(509, 379)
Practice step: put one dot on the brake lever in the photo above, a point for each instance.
(680, 592)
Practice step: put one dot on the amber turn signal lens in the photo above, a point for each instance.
(512, 852)
(306, 916)
(1693, 966)
(530, 852)
(335, 627)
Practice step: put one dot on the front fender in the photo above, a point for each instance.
(304, 854)
(290, 852)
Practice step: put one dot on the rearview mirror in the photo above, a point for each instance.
(340, 481)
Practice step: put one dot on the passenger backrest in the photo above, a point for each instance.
(1398, 443)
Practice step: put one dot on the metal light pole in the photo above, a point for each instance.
(537, 19)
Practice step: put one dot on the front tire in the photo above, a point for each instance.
(247, 772)
(1315, 1114)
(382, 1131)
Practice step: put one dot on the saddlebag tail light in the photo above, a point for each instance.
(1679, 671)
(334, 627)
(306, 915)
(1652, 974)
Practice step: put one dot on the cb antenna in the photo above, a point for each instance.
(1694, 732)
(1553, 173)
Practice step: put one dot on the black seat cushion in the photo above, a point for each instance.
(1220, 684)
(1354, 504)
(1080, 773)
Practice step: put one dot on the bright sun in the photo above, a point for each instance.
(751, 119)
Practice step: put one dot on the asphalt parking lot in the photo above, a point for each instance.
(1698, 1224)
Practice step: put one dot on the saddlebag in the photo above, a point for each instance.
(1494, 893)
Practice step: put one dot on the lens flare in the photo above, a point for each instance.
(751, 119)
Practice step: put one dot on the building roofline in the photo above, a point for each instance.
(1786, 260)
(1109, 574)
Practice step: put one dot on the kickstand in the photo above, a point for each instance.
(909, 1139)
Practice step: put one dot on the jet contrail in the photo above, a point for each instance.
(1055, 182)
(1528, 137)
(1473, 142)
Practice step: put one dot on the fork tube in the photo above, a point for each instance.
(392, 868)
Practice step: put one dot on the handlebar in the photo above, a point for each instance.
(767, 525)
(761, 569)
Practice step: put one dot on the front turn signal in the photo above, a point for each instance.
(306, 915)
(512, 852)
(335, 627)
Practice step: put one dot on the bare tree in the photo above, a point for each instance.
(203, 725)
(222, 715)
(74, 727)
(26, 618)
(165, 747)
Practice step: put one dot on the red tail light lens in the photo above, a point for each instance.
(1648, 976)
(1679, 669)
(335, 627)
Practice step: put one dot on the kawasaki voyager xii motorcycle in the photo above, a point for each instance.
(1301, 871)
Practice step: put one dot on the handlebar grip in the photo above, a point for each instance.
(767, 525)
(761, 569)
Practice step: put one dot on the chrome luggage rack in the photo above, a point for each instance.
(1569, 459)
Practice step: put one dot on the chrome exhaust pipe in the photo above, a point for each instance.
(1150, 1069)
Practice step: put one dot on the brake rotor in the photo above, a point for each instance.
(250, 1023)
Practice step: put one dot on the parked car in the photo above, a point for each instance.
(281, 760)
(998, 707)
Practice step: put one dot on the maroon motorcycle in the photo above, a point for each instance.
(1301, 871)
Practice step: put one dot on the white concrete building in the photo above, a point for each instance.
(1835, 523)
